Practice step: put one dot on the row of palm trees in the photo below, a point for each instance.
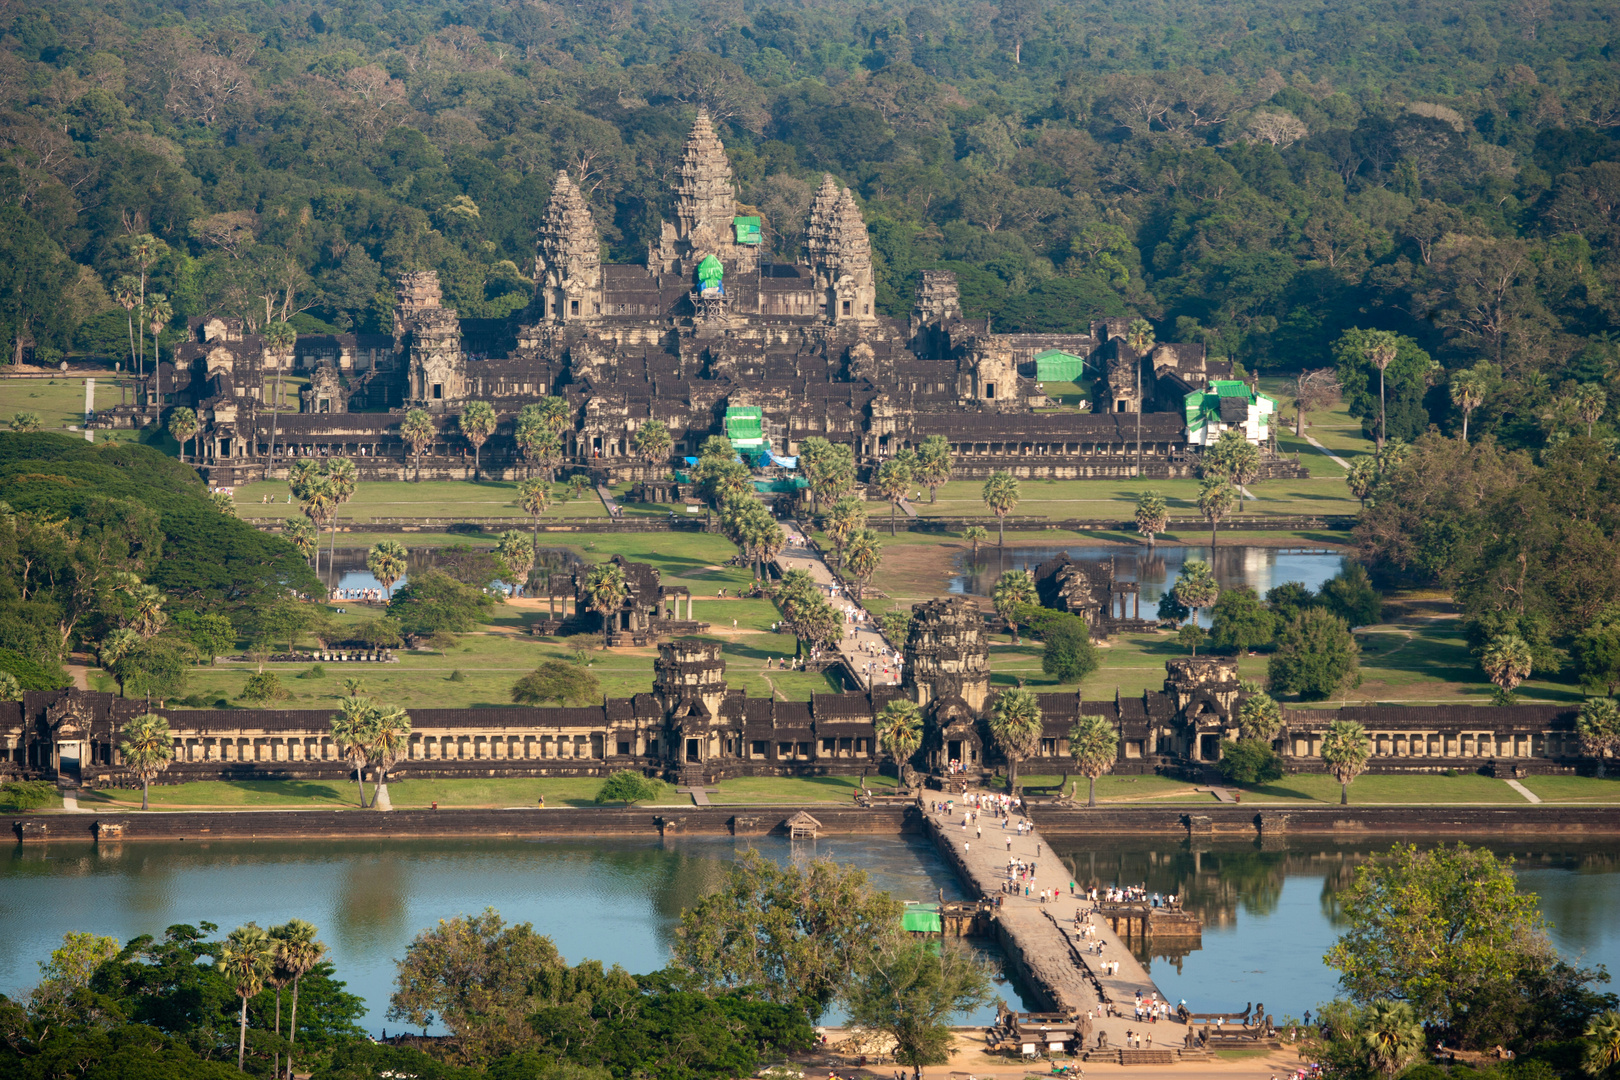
(370, 734)
(252, 958)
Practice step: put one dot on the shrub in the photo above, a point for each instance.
(627, 787)
(1240, 622)
(263, 686)
(26, 794)
(1351, 596)
(457, 676)
(1316, 656)
(1249, 761)
(316, 672)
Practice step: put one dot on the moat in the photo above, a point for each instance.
(1267, 915)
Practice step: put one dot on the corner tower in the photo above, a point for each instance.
(568, 258)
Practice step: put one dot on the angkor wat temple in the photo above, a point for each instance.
(693, 726)
(709, 323)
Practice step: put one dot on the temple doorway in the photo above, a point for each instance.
(692, 753)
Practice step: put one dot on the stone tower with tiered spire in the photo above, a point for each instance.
(568, 258)
(428, 335)
(841, 253)
(705, 209)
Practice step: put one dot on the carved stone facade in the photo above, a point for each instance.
(710, 321)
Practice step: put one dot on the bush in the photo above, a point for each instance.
(1068, 654)
(433, 602)
(263, 686)
(1351, 596)
(1249, 761)
(457, 676)
(316, 672)
(152, 669)
(628, 787)
(32, 675)
(555, 680)
(26, 794)
(1316, 656)
(1240, 622)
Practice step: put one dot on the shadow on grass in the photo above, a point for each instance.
(1278, 791)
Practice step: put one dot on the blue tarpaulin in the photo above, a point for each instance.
(784, 462)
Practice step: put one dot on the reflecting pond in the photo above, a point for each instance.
(1157, 569)
(1269, 916)
(617, 901)
(348, 566)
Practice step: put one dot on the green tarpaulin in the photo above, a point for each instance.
(918, 920)
(745, 427)
(1055, 365)
(747, 230)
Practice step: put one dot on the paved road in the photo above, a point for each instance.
(800, 555)
(1041, 933)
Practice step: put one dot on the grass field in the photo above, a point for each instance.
(1468, 788)
(59, 402)
(406, 792)
(1116, 499)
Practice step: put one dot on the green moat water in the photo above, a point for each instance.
(1268, 915)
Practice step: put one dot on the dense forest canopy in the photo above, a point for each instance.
(1259, 177)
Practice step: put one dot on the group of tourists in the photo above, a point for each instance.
(369, 596)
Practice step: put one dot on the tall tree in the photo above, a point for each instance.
(183, 427)
(893, 481)
(934, 465)
(899, 730)
(417, 429)
(1094, 744)
(863, 556)
(279, 341)
(534, 496)
(1001, 496)
(1468, 390)
(1196, 588)
(1345, 750)
(245, 959)
(299, 951)
(147, 748)
(653, 441)
(1152, 515)
(388, 560)
(911, 991)
(351, 732)
(1015, 590)
(1507, 660)
(607, 590)
(516, 553)
(1015, 724)
(477, 422)
(1217, 499)
(1598, 727)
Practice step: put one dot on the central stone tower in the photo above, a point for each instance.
(947, 655)
(568, 258)
(705, 209)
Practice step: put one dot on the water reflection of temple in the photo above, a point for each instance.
(1222, 882)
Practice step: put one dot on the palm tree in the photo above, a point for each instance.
(1362, 479)
(351, 731)
(301, 535)
(1014, 590)
(148, 617)
(1216, 500)
(1259, 717)
(534, 496)
(556, 414)
(388, 560)
(1468, 389)
(280, 339)
(159, 312)
(477, 425)
(147, 748)
(607, 589)
(1094, 743)
(353, 687)
(245, 960)
(1507, 660)
(1001, 496)
(298, 952)
(390, 740)
(653, 441)
(126, 293)
(183, 427)
(899, 728)
(144, 249)
(1015, 723)
(1598, 725)
(1602, 1054)
(863, 557)
(527, 430)
(845, 518)
(1391, 1037)
(834, 474)
(1152, 515)
(345, 481)
(1381, 350)
(26, 422)
(517, 555)
(934, 464)
(319, 497)
(1196, 587)
(1139, 336)
(893, 481)
(1590, 401)
(975, 535)
(1345, 750)
(418, 430)
(279, 977)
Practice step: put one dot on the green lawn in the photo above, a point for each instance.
(1575, 789)
(1104, 499)
(59, 401)
(404, 791)
(450, 499)
(756, 790)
